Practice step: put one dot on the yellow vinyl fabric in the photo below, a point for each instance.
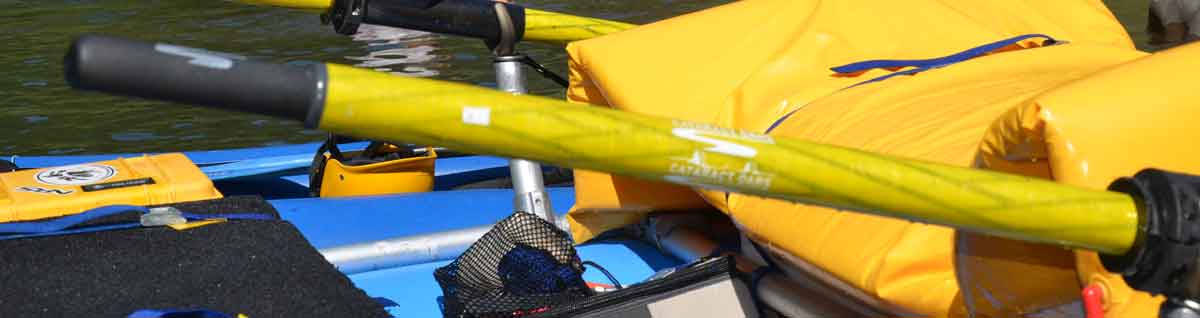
(143, 180)
(940, 116)
(749, 63)
(1110, 125)
(406, 175)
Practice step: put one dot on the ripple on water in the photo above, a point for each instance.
(67, 151)
(226, 26)
(134, 136)
(34, 83)
(35, 119)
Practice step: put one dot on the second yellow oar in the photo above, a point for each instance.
(380, 106)
(473, 18)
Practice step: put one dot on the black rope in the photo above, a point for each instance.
(611, 278)
(545, 72)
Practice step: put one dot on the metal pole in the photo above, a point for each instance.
(406, 250)
(776, 290)
(402, 251)
(528, 187)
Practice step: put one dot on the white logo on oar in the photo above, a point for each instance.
(718, 145)
(209, 59)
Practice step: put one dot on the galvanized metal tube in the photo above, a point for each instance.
(774, 289)
(407, 250)
(402, 251)
(528, 186)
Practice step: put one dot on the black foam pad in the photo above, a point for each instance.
(262, 268)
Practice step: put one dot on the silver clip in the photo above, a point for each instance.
(162, 216)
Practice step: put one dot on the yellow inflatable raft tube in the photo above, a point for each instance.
(765, 65)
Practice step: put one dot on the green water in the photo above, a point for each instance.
(41, 115)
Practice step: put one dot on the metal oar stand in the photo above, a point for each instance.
(528, 185)
(500, 26)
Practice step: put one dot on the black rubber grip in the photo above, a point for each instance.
(470, 18)
(194, 76)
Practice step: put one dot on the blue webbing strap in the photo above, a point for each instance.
(940, 61)
(98, 228)
(60, 225)
(231, 216)
(920, 65)
(178, 313)
(68, 221)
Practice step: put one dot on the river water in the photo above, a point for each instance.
(41, 115)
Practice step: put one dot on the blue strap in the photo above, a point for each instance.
(89, 229)
(231, 216)
(919, 65)
(894, 74)
(61, 223)
(940, 61)
(178, 313)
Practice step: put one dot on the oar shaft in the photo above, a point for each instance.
(380, 106)
(310, 5)
(472, 18)
(560, 28)
(377, 105)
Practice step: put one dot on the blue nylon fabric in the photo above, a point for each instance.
(59, 226)
(231, 216)
(920, 65)
(68, 221)
(894, 74)
(177, 313)
(73, 231)
(940, 61)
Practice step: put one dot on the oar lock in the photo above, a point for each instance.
(488, 20)
(345, 16)
(1165, 258)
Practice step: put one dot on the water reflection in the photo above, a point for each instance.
(397, 51)
(41, 115)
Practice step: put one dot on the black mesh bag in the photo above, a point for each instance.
(523, 266)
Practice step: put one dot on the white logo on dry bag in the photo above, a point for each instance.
(76, 175)
(214, 60)
(45, 190)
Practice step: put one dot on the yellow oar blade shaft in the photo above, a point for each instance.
(559, 28)
(380, 106)
(309, 5)
(540, 26)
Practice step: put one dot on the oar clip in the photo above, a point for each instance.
(347, 15)
(470, 18)
(1165, 258)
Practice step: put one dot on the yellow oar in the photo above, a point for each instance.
(553, 27)
(539, 26)
(375, 105)
(307, 5)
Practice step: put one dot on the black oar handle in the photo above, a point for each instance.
(470, 18)
(195, 76)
